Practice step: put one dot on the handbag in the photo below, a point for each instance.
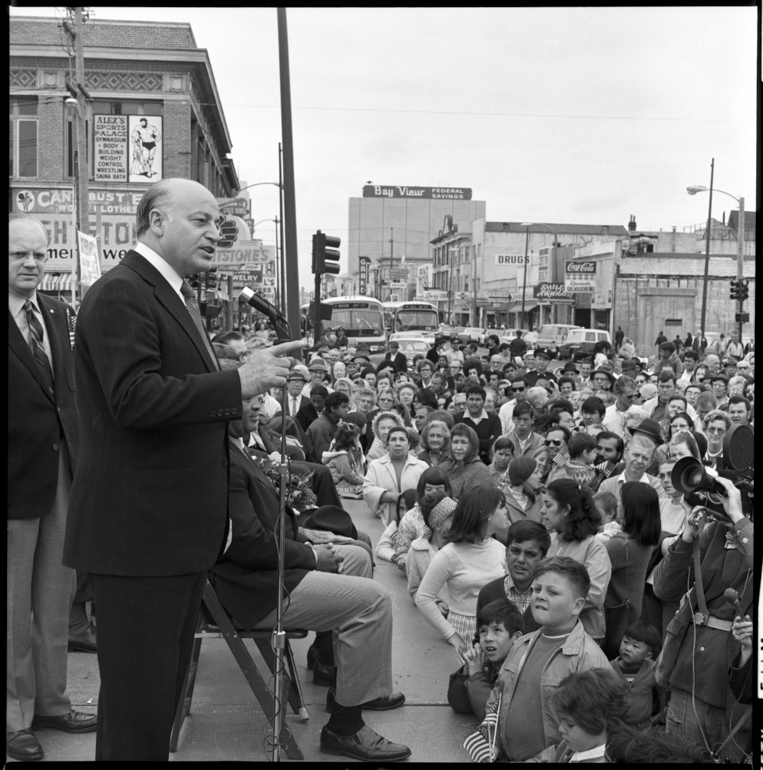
(482, 745)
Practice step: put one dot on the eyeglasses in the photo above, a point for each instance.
(553, 442)
(518, 390)
(20, 256)
(715, 431)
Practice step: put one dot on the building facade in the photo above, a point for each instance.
(152, 112)
(393, 226)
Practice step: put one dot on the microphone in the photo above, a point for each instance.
(732, 597)
(275, 316)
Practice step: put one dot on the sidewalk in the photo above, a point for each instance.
(226, 723)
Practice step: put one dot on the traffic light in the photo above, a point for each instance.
(744, 289)
(325, 254)
(735, 290)
(210, 282)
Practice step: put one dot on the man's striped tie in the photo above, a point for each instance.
(38, 350)
(193, 308)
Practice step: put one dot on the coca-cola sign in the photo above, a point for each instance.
(580, 267)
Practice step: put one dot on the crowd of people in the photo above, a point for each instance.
(529, 509)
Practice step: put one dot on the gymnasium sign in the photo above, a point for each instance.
(429, 193)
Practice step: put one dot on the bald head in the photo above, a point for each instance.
(178, 219)
(538, 397)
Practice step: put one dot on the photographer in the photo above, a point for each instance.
(699, 646)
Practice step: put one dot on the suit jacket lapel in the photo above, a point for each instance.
(18, 345)
(170, 300)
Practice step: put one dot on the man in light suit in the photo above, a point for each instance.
(42, 451)
(355, 607)
(147, 515)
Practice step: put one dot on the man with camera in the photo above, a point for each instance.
(699, 646)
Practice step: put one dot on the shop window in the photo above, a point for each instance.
(22, 161)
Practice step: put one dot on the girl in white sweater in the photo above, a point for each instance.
(470, 560)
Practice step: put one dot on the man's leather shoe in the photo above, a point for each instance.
(325, 676)
(73, 722)
(365, 745)
(84, 641)
(312, 655)
(23, 746)
(385, 703)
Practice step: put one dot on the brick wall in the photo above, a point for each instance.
(177, 133)
(50, 139)
(109, 34)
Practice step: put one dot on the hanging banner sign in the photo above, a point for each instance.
(89, 263)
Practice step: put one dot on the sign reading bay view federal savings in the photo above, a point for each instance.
(430, 193)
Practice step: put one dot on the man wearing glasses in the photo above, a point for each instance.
(614, 416)
(42, 451)
(519, 393)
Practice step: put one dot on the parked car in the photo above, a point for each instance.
(409, 345)
(552, 336)
(472, 334)
(582, 341)
(428, 337)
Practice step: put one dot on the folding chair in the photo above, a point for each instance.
(214, 613)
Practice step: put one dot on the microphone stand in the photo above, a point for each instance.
(283, 333)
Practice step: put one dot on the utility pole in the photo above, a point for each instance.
(391, 255)
(740, 267)
(81, 204)
(290, 207)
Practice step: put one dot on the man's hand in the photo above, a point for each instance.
(267, 368)
(319, 536)
(326, 560)
(695, 523)
(741, 630)
(475, 659)
(732, 503)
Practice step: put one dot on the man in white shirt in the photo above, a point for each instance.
(519, 390)
(638, 457)
(614, 416)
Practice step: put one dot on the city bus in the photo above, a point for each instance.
(362, 319)
(412, 317)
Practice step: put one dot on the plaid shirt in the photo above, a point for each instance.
(522, 600)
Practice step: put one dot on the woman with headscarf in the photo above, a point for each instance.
(521, 485)
(464, 467)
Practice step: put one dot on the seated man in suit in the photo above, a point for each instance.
(353, 606)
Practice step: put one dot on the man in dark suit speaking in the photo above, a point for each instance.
(42, 451)
(148, 505)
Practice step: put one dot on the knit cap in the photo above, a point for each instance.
(441, 511)
(520, 469)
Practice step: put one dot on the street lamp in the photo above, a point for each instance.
(693, 190)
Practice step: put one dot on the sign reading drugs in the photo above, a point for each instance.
(579, 276)
(90, 265)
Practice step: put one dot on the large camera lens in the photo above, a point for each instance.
(689, 475)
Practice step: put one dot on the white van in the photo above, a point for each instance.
(582, 341)
(551, 336)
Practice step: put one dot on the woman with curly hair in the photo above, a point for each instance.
(463, 465)
(381, 426)
(571, 518)
(435, 442)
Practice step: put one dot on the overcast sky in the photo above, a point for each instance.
(576, 115)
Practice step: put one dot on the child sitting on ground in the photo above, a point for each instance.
(538, 661)
(437, 511)
(635, 666)
(499, 625)
(344, 458)
(589, 707)
(606, 505)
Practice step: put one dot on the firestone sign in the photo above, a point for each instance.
(430, 193)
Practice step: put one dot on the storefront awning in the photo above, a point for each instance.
(56, 282)
(517, 308)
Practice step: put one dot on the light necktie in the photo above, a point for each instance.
(189, 295)
(294, 407)
(38, 350)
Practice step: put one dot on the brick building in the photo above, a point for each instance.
(154, 113)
